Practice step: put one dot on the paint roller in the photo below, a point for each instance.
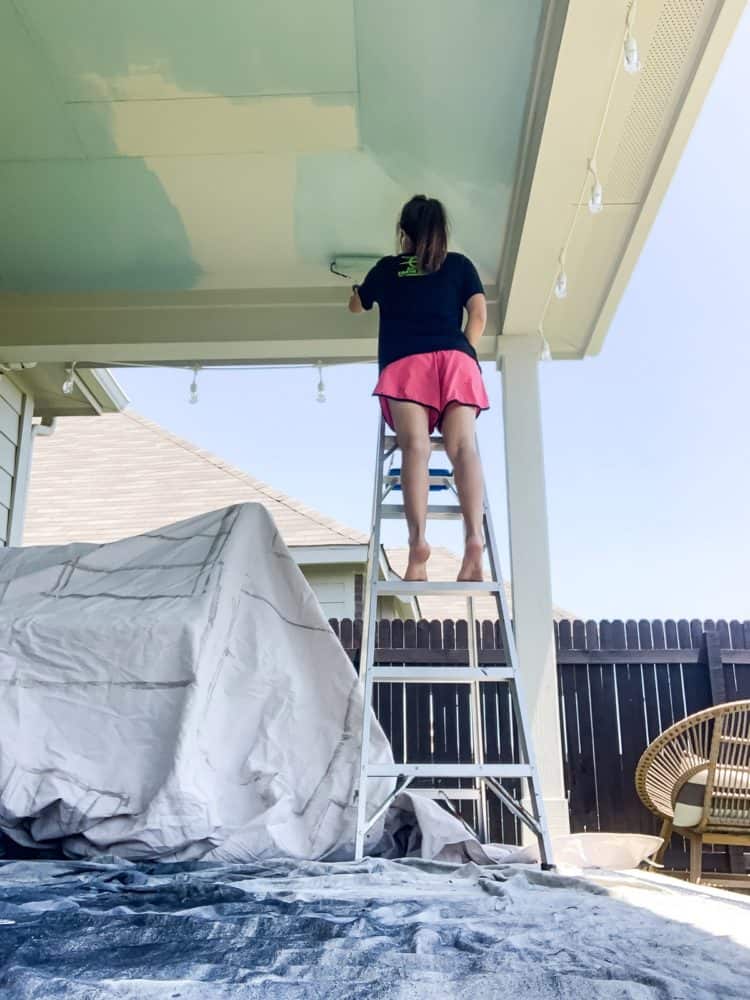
(353, 266)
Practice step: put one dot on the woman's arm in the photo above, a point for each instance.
(476, 307)
(355, 303)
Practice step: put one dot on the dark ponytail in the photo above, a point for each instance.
(424, 223)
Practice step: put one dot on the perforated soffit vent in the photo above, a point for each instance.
(661, 83)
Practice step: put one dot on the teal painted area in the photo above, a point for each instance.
(443, 86)
(229, 47)
(31, 125)
(344, 204)
(93, 225)
(443, 90)
(71, 224)
(76, 224)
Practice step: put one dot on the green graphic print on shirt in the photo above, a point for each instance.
(410, 268)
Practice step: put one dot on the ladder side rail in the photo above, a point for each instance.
(477, 727)
(367, 646)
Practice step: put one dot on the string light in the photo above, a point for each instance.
(631, 58)
(321, 397)
(193, 397)
(596, 201)
(632, 64)
(545, 354)
(196, 368)
(561, 282)
(69, 384)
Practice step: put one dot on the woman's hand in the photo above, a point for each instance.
(355, 304)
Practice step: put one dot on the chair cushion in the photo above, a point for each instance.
(734, 781)
(688, 806)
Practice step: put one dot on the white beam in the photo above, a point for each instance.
(262, 326)
(530, 564)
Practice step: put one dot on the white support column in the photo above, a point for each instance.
(530, 563)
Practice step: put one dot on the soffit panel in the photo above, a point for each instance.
(242, 145)
(644, 113)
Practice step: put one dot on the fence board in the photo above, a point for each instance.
(587, 762)
(648, 682)
(448, 699)
(442, 750)
(382, 692)
(463, 722)
(606, 738)
(398, 739)
(697, 685)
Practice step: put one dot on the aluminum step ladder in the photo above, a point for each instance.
(486, 778)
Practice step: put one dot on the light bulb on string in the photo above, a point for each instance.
(193, 397)
(545, 353)
(631, 56)
(561, 281)
(632, 59)
(69, 384)
(596, 201)
(321, 397)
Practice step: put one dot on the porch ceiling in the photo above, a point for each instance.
(176, 177)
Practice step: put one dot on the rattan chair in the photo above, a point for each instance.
(696, 778)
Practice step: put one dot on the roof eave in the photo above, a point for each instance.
(566, 122)
(717, 43)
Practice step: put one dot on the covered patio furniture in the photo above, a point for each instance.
(696, 778)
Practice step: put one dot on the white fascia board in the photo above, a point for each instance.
(328, 555)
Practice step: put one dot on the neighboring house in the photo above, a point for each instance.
(31, 399)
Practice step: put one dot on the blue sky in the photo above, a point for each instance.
(647, 445)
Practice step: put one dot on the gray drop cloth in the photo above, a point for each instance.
(180, 695)
(379, 930)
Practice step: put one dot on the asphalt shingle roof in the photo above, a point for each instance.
(97, 479)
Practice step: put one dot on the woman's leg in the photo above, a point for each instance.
(411, 423)
(458, 430)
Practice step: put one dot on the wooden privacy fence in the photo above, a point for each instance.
(620, 684)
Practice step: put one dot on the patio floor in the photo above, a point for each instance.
(375, 929)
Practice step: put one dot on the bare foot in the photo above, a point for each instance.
(471, 568)
(417, 565)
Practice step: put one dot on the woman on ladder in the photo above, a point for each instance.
(429, 372)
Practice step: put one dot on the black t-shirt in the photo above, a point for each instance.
(420, 312)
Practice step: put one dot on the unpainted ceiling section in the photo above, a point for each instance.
(240, 144)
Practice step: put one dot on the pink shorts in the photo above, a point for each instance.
(433, 380)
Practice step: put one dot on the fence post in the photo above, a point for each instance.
(711, 657)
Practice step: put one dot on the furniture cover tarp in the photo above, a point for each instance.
(180, 695)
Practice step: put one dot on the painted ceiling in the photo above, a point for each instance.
(178, 144)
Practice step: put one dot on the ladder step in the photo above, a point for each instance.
(454, 794)
(435, 512)
(437, 443)
(441, 675)
(449, 771)
(420, 588)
